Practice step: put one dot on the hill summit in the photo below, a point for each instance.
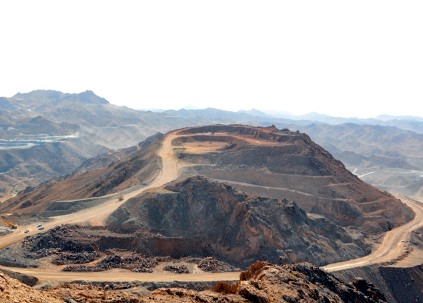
(263, 161)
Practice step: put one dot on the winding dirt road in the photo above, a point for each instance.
(390, 249)
(393, 245)
(97, 215)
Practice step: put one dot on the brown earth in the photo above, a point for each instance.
(203, 162)
(12, 290)
(288, 165)
(261, 283)
(199, 217)
(399, 285)
(264, 161)
(272, 283)
(99, 177)
(394, 244)
(45, 274)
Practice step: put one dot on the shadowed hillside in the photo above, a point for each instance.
(197, 217)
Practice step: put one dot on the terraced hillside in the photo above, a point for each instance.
(288, 165)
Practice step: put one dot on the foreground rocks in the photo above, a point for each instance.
(23, 278)
(262, 282)
(267, 283)
(12, 290)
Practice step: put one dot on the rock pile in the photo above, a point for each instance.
(69, 258)
(210, 264)
(133, 262)
(66, 240)
(177, 269)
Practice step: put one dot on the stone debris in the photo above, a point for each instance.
(177, 269)
(262, 282)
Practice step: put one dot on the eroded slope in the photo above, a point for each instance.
(283, 164)
(272, 283)
(197, 217)
(263, 282)
(100, 176)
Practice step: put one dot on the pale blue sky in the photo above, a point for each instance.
(345, 58)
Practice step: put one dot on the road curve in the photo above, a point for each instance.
(393, 244)
(97, 215)
(390, 249)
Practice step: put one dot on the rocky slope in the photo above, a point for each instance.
(33, 120)
(12, 290)
(283, 164)
(99, 176)
(31, 166)
(103, 124)
(391, 152)
(197, 217)
(264, 161)
(399, 285)
(388, 157)
(263, 282)
(271, 283)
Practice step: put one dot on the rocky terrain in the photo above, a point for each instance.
(46, 133)
(244, 193)
(237, 194)
(262, 282)
(55, 132)
(399, 285)
(198, 217)
(106, 174)
(12, 290)
(93, 249)
(289, 165)
(387, 157)
(97, 125)
(264, 161)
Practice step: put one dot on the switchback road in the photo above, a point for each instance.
(391, 248)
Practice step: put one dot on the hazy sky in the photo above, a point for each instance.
(345, 58)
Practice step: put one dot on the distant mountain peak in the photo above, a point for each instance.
(90, 97)
(53, 96)
(254, 112)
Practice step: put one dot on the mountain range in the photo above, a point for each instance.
(384, 150)
(203, 197)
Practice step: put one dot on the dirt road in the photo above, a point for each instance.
(393, 244)
(391, 248)
(116, 275)
(97, 215)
